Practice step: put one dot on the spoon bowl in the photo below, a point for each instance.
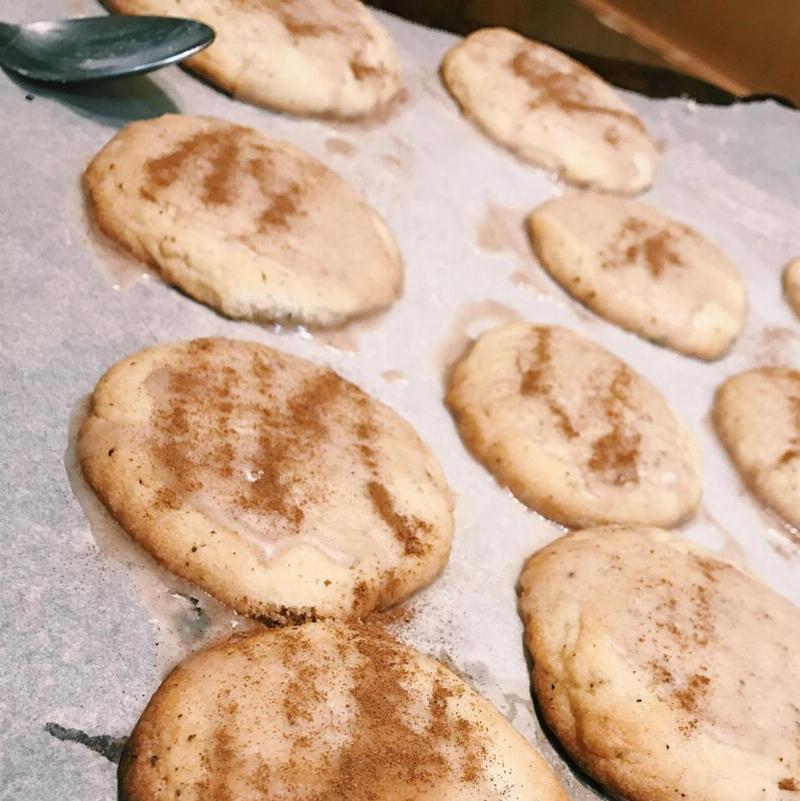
(89, 48)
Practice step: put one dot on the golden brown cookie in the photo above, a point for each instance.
(326, 711)
(251, 226)
(665, 673)
(327, 58)
(271, 482)
(550, 110)
(642, 270)
(791, 284)
(757, 418)
(572, 430)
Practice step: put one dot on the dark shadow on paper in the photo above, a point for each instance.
(113, 102)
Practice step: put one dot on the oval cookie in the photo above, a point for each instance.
(757, 417)
(572, 431)
(791, 284)
(251, 226)
(325, 711)
(327, 58)
(640, 269)
(271, 482)
(550, 110)
(664, 672)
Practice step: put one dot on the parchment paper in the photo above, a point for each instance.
(89, 627)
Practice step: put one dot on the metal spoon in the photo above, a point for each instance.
(99, 47)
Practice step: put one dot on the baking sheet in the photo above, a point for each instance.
(89, 627)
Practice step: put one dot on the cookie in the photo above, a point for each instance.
(269, 481)
(791, 285)
(641, 270)
(251, 226)
(328, 58)
(573, 431)
(757, 418)
(664, 672)
(325, 711)
(550, 110)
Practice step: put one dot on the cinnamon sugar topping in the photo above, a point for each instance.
(638, 240)
(297, 18)
(396, 744)
(415, 756)
(283, 205)
(569, 91)
(693, 606)
(216, 161)
(362, 71)
(227, 434)
(615, 455)
(409, 530)
(534, 382)
(196, 440)
(218, 149)
(304, 28)
(386, 751)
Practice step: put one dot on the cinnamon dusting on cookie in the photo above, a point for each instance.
(219, 156)
(394, 741)
(300, 21)
(197, 441)
(566, 90)
(615, 455)
(684, 685)
(409, 530)
(534, 382)
(218, 150)
(213, 422)
(637, 240)
(386, 749)
(362, 71)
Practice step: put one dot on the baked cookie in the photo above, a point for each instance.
(325, 711)
(664, 672)
(791, 284)
(251, 226)
(550, 110)
(327, 58)
(269, 481)
(571, 430)
(640, 269)
(757, 417)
